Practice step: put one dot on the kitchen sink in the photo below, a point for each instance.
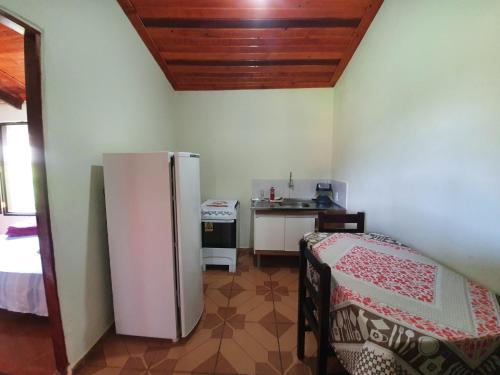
(287, 203)
(294, 204)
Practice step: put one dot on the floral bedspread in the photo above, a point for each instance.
(395, 311)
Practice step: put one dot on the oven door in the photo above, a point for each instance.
(218, 233)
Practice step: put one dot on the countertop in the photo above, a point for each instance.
(293, 205)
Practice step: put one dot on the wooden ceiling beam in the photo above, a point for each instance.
(237, 9)
(250, 23)
(331, 62)
(206, 48)
(323, 76)
(371, 12)
(251, 44)
(246, 69)
(11, 99)
(159, 34)
(136, 21)
(249, 85)
(166, 43)
(248, 56)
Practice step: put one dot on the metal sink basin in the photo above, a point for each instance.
(294, 203)
(285, 204)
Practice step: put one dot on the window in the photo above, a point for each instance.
(18, 196)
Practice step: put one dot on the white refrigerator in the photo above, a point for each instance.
(154, 235)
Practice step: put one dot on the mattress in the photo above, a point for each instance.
(21, 280)
(395, 311)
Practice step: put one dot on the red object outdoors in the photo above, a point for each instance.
(271, 193)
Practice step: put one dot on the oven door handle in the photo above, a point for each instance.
(217, 220)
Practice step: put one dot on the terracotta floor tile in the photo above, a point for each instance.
(91, 370)
(215, 299)
(136, 346)
(248, 306)
(115, 351)
(251, 279)
(238, 333)
(217, 279)
(197, 352)
(252, 349)
(286, 307)
(25, 344)
(95, 357)
(202, 359)
(288, 278)
(287, 336)
(45, 364)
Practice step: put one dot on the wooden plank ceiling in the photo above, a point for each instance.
(251, 44)
(12, 82)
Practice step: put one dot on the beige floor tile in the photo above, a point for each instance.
(251, 350)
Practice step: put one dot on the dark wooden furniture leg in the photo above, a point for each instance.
(314, 308)
(314, 304)
(324, 319)
(301, 321)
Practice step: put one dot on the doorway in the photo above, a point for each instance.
(31, 46)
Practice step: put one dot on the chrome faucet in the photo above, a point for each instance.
(290, 181)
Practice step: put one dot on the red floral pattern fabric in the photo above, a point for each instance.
(369, 335)
(404, 276)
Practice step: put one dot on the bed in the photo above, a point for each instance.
(21, 281)
(383, 308)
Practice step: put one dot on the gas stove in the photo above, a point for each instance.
(216, 209)
(219, 232)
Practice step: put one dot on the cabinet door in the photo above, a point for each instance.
(269, 233)
(295, 228)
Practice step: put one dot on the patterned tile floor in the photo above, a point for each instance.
(25, 345)
(248, 327)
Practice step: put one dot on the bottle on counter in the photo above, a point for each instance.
(272, 193)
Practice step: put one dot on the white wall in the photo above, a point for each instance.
(417, 130)
(11, 114)
(102, 91)
(242, 135)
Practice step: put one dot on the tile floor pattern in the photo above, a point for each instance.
(25, 345)
(248, 327)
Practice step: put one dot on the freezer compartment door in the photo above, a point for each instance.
(188, 220)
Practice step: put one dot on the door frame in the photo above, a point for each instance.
(33, 75)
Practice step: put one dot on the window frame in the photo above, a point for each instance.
(3, 185)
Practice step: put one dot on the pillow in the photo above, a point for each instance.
(22, 230)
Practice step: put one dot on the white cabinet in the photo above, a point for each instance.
(269, 232)
(295, 228)
(281, 233)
